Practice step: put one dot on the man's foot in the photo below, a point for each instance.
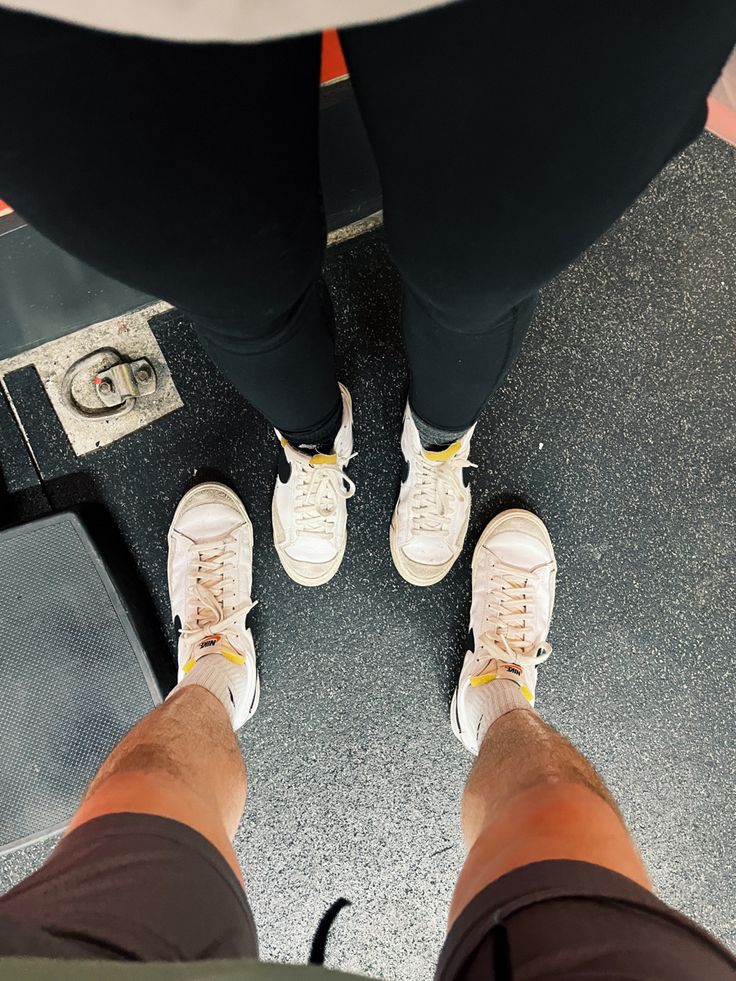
(514, 573)
(210, 575)
(431, 517)
(309, 507)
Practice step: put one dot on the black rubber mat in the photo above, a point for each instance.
(73, 674)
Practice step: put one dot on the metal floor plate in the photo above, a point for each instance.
(128, 334)
(73, 675)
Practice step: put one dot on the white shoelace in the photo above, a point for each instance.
(208, 587)
(318, 489)
(437, 491)
(515, 591)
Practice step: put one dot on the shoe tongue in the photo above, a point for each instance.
(319, 456)
(213, 644)
(442, 454)
(501, 671)
(509, 671)
(324, 460)
(307, 455)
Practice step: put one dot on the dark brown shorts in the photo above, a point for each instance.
(132, 886)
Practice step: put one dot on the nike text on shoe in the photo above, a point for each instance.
(210, 574)
(514, 573)
(309, 507)
(431, 517)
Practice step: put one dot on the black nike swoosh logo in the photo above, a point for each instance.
(284, 467)
(255, 693)
(457, 714)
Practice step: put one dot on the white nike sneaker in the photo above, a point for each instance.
(514, 572)
(210, 573)
(431, 516)
(309, 508)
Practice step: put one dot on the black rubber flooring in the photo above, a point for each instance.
(617, 427)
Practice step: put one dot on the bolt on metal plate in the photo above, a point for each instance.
(125, 380)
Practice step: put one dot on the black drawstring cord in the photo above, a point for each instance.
(317, 955)
(502, 970)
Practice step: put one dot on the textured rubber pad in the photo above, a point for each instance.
(73, 674)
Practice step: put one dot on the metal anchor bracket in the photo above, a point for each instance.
(117, 387)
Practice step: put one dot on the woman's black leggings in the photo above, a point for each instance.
(508, 136)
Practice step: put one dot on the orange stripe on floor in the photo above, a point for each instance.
(333, 60)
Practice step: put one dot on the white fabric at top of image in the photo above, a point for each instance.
(220, 20)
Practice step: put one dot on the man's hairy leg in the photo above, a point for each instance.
(182, 761)
(532, 796)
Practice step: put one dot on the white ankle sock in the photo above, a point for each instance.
(211, 672)
(496, 699)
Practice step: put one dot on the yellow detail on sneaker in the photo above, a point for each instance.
(324, 459)
(441, 456)
(232, 656)
(284, 441)
(482, 679)
(228, 655)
